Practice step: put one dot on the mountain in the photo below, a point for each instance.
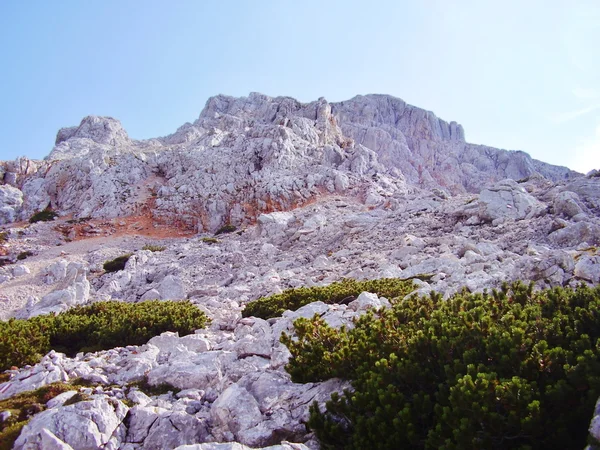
(257, 196)
(247, 156)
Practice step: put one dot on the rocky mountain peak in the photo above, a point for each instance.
(101, 130)
(250, 155)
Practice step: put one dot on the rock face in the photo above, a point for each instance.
(11, 200)
(246, 156)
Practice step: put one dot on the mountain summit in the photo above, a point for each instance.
(256, 154)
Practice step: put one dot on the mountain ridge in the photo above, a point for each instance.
(282, 153)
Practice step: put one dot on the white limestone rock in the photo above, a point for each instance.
(49, 370)
(274, 224)
(368, 300)
(507, 200)
(11, 200)
(234, 412)
(159, 428)
(73, 290)
(588, 268)
(35, 197)
(19, 270)
(172, 288)
(49, 441)
(83, 425)
(588, 191)
(567, 203)
(60, 399)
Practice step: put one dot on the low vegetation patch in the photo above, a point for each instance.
(3, 236)
(210, 240)
(510, 369)
(117, 264)
(78, 221)
(225, 229)
(24, 255)
(23, 406)
(154, 390)
(339, 292)
(154, 248)
(46, 215)
(99, 326)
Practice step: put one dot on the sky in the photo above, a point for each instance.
(519, 75)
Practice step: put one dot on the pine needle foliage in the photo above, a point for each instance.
(225, 229)
(154, 248)
(46, 215)
(338, 292)
(510, 369)
(117, 264)
(99, 326)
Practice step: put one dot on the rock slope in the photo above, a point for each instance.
(247, 156)
(367, 188)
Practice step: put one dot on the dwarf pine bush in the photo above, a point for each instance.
(46, 215)
(154, 248)
(510, 369)
(225, 229)
(117, 264)
(292, 299)
(99, 326)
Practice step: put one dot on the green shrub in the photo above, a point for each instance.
(117, 264)
(79, 397)
(341, 291)
(3, 236)
(46, 215)
(511, 369)
(80, 220)
(210, 240)
(10, 434)
(225, 229)
(24, 255)
(154, 248)
(99, 326)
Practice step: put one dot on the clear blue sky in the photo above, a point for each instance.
(522, 75)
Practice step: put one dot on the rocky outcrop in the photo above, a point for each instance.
(87, 425)
(11, 200)
(72, 289)
(430, 152)
(257, 154)
(233, 388)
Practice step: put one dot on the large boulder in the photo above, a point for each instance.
(87, 425)
(568, 204)
(73, 290)
(234, 412)
(507, 200)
